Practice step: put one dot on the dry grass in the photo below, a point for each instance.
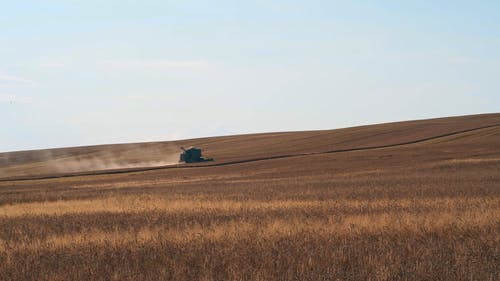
(421, 212)
(322, 232)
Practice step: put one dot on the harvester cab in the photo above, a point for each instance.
(192, 155)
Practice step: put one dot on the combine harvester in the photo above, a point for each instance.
(193, 155)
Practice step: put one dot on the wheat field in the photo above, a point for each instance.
(428, 211)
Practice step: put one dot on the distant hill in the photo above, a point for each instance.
(238, 148)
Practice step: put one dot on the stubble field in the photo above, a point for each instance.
(423, 211)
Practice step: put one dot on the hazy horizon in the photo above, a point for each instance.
(75, 73)
(235, 134)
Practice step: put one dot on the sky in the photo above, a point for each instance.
(91, 72)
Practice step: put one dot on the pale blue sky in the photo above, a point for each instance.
(92, 72)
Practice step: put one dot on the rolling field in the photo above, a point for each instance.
(416, 200)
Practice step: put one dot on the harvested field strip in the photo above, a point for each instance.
(483, 133)
(121, 171)
(469, 162)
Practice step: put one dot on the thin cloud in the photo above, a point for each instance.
(157, 65)
(463, 60)
(53, 65)
(11, 78)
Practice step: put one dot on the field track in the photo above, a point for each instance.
(184, 166)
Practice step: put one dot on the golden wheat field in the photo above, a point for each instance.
(424, 210)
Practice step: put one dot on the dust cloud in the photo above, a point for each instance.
(109, 161)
